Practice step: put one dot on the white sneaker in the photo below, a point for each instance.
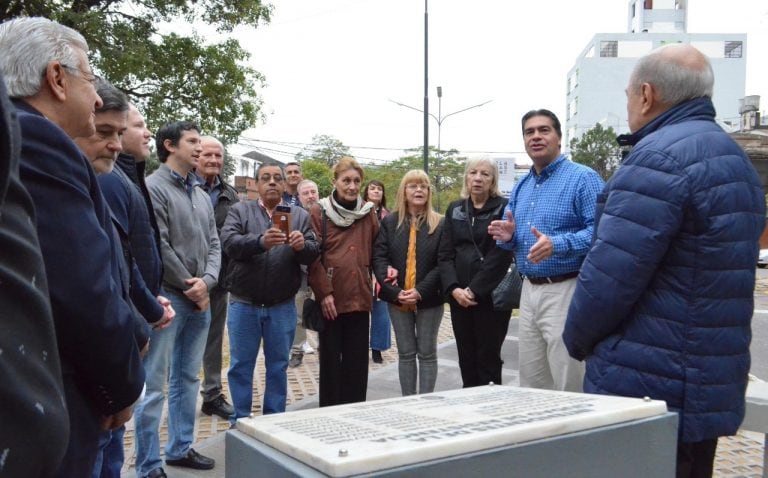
(306, 348)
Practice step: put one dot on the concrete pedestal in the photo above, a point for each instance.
(645, 447)
(492, 430)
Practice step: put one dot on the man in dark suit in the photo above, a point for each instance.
(34, 418)
(47, 73)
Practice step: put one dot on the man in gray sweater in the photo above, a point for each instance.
(189, 246)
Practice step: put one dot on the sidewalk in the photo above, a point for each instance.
(739, 456)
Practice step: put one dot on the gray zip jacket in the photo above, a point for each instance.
(189, 242)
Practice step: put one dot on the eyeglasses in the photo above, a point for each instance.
(86, 75)
(265, 178)
(415, 186)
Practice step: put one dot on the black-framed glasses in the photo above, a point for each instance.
(88, 76)
(265, 178)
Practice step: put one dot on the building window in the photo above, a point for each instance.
(733, 49)
(609, 49)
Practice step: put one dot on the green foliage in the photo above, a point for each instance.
(446, 170)
(318, 171)
(152, 163)
(597, 148)
(149, 50)
(324, 148)
(228, 168)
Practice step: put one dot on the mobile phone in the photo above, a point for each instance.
(281, 219)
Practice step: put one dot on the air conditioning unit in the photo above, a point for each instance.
(749, 103)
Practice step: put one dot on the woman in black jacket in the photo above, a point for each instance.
(471, 266)
(407, 246)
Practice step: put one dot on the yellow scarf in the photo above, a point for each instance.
(410, 267)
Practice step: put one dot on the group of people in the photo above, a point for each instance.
(122, 286)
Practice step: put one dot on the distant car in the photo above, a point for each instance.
(762, 259)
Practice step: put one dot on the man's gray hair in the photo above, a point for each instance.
(676, 83)
(306, 182)
(28, 44)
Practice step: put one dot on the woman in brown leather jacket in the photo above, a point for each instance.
(341, 280)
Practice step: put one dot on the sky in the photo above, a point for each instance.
(333, 67)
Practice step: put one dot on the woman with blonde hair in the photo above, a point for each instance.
(471, 266)
(346, 227)
(408, 242)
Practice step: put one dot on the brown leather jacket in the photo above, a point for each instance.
(345, 269)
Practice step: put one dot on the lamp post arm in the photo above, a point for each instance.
(415, 109)
(440, 121)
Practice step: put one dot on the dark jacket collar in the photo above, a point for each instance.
(696, 109)
(127, 164)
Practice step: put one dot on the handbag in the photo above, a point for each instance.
(311, 313)
(506, 295)
(312, 316)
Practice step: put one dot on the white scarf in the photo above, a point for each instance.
(341, 216)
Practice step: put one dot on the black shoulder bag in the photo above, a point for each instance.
(506, 295)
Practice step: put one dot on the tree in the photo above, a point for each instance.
(149, 49)
(325, 148)
(597, 148)
(446, 171)
(319, 172)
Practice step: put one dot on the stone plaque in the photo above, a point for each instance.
(364, 437)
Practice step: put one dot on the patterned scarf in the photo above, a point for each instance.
(341, 216)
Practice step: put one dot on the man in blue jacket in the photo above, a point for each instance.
(664, 299)
(46, 69)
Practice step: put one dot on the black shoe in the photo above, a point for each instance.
(218, 406)
(193, 460)
(296, 359)
(156, 473)
(376, 355)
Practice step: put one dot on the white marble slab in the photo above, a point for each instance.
(363, 437)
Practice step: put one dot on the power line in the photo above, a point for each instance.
(299, 146)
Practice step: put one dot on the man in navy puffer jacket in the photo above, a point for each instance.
(665, 296)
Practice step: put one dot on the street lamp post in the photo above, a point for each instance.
(426, 89)
(439, 119)
(439, 157)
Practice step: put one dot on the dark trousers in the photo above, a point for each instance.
(344, 359)
(696, 459)
(480, 332)
(84, 433)
(211, 386)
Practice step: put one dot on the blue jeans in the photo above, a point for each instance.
(416, 335)
(248, 324)
(175, 356)
(381, 337)
(110, 457)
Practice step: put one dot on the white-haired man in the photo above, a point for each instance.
(47, 74)
(664, 300)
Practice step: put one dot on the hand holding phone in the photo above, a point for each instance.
(281, 219)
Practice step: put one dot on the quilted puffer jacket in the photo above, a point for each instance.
(665, 296)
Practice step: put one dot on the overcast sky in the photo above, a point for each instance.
(332, 66)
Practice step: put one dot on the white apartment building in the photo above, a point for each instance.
(596, 83)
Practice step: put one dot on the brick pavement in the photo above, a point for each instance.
(738, 456)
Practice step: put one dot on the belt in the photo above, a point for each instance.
(552, 279)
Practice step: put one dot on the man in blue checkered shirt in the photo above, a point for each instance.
(549, 223)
